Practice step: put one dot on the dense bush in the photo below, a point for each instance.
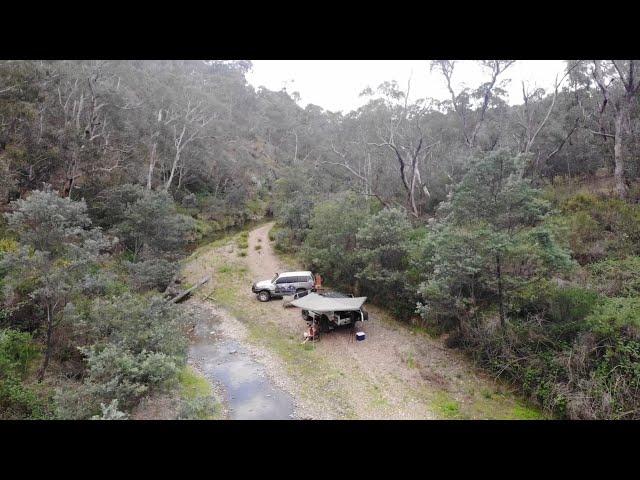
(115, 372)
(132, 346)
(616, 278)
(152, 223)
(599, 227)
(17, 355)
(331, 244)
(383, 253)
(153, 274)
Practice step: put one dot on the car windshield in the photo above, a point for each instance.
(274, 278)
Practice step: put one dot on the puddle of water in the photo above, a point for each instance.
(249, 393)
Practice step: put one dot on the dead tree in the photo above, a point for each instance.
(187, 127)
(623, 102)
(460, 104)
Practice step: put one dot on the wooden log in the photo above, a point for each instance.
(182, 295)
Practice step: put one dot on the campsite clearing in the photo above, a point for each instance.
(396, 373)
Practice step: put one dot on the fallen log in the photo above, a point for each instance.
(184, 294)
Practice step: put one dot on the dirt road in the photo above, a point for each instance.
(396, 373)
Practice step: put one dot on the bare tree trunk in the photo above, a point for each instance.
(176, 158)
(295, 154)
(621, 186)
(47, 353)
(152, 164)
(500, 298)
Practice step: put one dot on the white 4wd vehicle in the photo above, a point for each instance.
(287, 283)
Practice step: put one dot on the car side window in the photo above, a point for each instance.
(283, 280)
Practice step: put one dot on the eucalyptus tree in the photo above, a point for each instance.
(472, 107)
(488, 231)
(618, 85)
(58, 245)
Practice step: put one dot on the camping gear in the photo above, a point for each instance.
(311, 335)
(318, 303)
(360, 336)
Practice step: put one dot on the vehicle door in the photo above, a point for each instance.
(285, 285)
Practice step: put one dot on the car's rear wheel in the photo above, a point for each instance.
(264, 296)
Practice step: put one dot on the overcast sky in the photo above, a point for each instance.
(335, 85)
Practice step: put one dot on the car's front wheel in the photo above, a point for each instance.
(264, 296)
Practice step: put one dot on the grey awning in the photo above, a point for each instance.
(318, 303)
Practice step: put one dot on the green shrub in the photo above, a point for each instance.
(272, 232)
(17, 357)
(117, 373)
(110, 412)
(133, 322)
(616, 278)
(563, 307)
(614, 314)
(198, 408)
(151, 274)
(599, 227)
(17, 353)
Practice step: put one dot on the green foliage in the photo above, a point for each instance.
(134, 323)
(17, 355)
(153, 274)
(117, 373)
(109, 207)
(383, 246)
(198, 402)
(489, 245)
(152, 222)
(331, 245)
(616, 313)
(597, 228)
(58, 251)
(110, 412)
(133, 346)
(47, 222)
(17, 352)
(494, 191)
(616, 278)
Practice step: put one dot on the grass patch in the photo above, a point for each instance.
(522, 412)
(192, 384)
(446, 406)
(257, 247)
(198, 401)
(242, 253)
(411, 363)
